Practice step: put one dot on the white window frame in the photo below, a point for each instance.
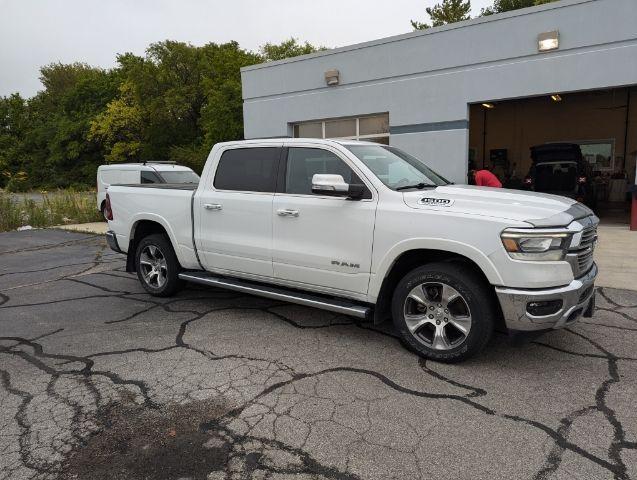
(358, 136)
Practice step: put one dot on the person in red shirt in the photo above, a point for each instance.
(484, 178)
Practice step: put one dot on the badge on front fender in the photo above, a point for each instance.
(435, 202)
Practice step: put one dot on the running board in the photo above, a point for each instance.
(279, 293)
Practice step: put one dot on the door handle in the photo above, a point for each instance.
(212, 206)
(287, 212)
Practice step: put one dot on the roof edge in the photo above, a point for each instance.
(420, 33)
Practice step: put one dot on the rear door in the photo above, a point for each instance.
(321, 241)
(234, 211)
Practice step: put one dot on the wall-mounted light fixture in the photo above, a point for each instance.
(556, 97)
(548, 41)
(488, 105)
(332, 77)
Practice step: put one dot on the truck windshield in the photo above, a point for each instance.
(183, 176)
(396, 169)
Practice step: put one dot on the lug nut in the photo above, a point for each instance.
(431, 316)
(446, 319)
(437, 322)
(446, 310)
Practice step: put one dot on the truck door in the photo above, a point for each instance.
(234, 212)
(318, 240)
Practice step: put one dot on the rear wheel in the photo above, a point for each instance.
(157, 266)
(444, 311)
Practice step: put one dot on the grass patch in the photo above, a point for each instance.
(59, 208)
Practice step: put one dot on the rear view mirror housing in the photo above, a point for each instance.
(335, 186)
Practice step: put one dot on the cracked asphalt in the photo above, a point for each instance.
(100, 380)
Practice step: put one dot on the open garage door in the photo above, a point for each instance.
(581, 144)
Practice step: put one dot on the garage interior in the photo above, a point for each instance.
(602, 122)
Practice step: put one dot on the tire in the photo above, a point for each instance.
(157, 266)
(460, 311)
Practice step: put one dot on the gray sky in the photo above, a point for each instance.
(37, 32)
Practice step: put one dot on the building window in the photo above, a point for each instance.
(371, 128)
(599, 153)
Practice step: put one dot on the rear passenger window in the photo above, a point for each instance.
(248, 169)
(150, 177)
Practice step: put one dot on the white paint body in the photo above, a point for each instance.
(128, 173)
(241, 234)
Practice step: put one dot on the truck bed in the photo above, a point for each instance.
(168, 204)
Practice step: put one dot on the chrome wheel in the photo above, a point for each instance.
(437, 315)
(152, 263)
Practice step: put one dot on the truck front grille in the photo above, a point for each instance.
(582, 255)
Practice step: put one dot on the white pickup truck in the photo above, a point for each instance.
(365, 230)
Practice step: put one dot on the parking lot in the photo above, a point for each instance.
(100, 380)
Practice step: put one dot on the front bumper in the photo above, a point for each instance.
(578, 299)
(111, 239)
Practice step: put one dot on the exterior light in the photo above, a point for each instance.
(332, 77)
(556, 98)
(548, 41)
(488, 105)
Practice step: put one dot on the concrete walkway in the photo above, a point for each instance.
(616, 253)
(96, 227)
(616, 256)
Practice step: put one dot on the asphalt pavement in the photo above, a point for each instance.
(98, 380)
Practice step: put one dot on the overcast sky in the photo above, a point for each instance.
(37, 32)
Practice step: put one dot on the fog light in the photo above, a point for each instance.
(544, 307)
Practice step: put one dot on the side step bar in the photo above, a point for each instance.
(279, 293)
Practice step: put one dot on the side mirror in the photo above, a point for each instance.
(335, 186)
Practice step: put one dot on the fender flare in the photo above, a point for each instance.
(151, 217)
(452, 246)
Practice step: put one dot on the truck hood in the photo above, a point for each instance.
(540, 210)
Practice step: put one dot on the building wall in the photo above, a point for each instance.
(426, 80)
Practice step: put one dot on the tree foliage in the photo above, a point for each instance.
(449, 11)
(289, 48)
(173, 103)
(500, 6)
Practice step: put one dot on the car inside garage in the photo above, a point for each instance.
(580, 144)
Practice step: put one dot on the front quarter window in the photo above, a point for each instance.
(396, 169)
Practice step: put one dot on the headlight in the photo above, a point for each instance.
(536, 246)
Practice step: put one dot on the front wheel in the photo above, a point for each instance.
(157, 266)
(444, 311)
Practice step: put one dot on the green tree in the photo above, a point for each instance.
(449, 11)
(173, 103)
(286, 49)
(118, 129)
(500, 6)
(13, 126)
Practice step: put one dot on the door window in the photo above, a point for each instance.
(304, 163)
(150, 177)
(248, 169)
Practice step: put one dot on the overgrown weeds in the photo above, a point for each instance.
(59, 208)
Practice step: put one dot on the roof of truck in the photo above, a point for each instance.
(318, 141)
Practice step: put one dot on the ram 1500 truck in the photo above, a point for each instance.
(365, 230)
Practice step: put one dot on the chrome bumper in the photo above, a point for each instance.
(578, 299)
(111, 239)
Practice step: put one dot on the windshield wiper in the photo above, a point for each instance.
(419, 186)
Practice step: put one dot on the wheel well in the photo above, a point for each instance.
(409, 260)
(140, 230)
